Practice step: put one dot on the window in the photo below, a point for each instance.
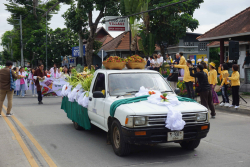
(99, 83)
(188, 43)
(202, 47)
(120, 84)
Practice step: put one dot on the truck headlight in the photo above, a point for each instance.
(201, 116)
(139, 120)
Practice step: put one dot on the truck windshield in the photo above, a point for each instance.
(121, 84)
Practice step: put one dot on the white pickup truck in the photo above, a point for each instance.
(141, 122)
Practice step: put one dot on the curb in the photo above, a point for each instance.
(233, 110)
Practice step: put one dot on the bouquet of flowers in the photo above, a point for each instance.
(135, 58)
(114, 59)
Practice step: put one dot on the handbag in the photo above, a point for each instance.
(12, 84)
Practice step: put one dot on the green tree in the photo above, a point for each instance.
(33, 19)
(80, 17)
(214, 56)
(60, 43)
(171, 23)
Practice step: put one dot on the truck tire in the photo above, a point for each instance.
(190, 145)
(76, 126)
(120, 147)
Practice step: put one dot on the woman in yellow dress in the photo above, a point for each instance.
(212, 79)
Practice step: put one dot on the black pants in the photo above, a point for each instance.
(224, 94)
(207, 101)
(40, 98)
(235, 94)
(190, 90)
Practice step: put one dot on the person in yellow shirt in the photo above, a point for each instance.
(224, 86)
(182, 62)
(235, 83)
(187, 78)
(212, 78)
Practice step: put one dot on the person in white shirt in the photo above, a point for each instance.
(159, 59)
(54, 71)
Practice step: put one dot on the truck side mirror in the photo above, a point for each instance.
(98, 94)
(177, 91)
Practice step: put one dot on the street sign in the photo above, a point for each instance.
(100, 53)
(116, 25)
(76, 52)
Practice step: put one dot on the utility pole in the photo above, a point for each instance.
(46, 42)
(81, 48)
(21, 36)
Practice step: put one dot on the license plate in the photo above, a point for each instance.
(177, 135)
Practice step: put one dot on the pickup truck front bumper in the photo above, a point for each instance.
(160, 134)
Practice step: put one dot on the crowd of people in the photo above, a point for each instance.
(207, 81)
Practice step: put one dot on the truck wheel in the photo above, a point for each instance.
(117, 139)
(77, 127)
(190, 145)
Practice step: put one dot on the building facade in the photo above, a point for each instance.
(191, 47)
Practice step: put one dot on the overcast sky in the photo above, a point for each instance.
(210, 14)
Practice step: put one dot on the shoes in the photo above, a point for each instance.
(10, 114)
(231, 105)
(222, 104)
(40, 102)
(33, 95)
(36, 95)
(213, 117)
(227, 105)
(236, 107)
(0, 115)
(22, 96)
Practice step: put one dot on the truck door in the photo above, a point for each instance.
(96, 105)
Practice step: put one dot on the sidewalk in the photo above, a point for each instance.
(244, 107)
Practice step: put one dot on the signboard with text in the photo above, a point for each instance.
(120, 24)
(76, 52)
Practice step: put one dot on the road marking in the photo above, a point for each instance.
(25, 149)
(46, 157)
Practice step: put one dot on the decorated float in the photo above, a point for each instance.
(133, 107)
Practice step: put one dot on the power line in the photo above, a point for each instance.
(104, 21)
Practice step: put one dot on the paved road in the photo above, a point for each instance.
(227, 143)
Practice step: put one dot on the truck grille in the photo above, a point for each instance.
(159, 120)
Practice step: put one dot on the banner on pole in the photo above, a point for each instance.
(52, 86)
(121, 24)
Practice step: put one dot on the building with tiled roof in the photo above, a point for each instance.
(236, 28)
(120, 46)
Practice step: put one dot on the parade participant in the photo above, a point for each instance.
(58, 73)
(148, 62)
(205, 67)
(212, 78)
(32, 86)
(156, 65)
(151, 62)
(160, 59)
(182, 62)
(39, 74)
(204, 88)
(173, 77)
(21, 84)
(168, 59)
(224, 86)
(187, 78)
(54, 71)
(7, 86)
(66, 71)
(246, 61)
(235, 83)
